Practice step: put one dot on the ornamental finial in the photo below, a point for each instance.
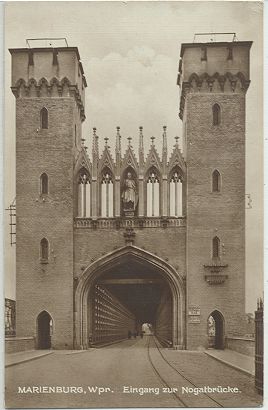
(152, 138)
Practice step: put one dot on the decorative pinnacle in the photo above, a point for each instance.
(118, 141)
(106, 139)
(83, 141)
(177, 140)
(152, 138)
(94, 131)
(129, 141)
(164, 141)
(141, 138)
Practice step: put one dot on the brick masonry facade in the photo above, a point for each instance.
(183, 243)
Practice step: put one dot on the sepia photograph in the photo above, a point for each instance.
(133, 195)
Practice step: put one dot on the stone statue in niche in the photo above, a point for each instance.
(129, 195)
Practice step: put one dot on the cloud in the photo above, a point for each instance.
(138, 88)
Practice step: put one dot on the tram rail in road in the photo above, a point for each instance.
(172, 379)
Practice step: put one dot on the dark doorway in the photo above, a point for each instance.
(44, 322)
(139, 294)
(216, 330)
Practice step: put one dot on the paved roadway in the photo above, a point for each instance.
(122, 367)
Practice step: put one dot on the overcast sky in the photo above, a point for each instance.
(130, 54)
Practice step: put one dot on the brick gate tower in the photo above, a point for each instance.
(49, 89)
(109, 243)
(214, 78)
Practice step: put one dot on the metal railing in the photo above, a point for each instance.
(259, 347)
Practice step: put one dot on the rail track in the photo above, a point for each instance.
(166, 383)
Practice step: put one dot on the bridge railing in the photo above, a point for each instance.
(259, 347)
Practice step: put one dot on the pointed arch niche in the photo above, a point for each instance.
(125, 174)
(153, 192)
(107, 193)
(84, 194)
(175, 192)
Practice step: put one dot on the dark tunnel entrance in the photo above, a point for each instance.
(126, 297)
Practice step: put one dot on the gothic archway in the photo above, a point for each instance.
(128, 255)
(44, 324)
(216, 330)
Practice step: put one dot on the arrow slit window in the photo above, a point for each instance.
(107, 195)
(44, 184)
(44, 250)
(44, 118)
(216, 181)
(215, 247)
(216, 112)
(153, 194)
(84, 195)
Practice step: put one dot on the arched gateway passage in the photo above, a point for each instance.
(129, 286)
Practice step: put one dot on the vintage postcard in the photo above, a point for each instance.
(134, 204)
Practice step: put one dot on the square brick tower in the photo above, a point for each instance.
(214, 78)
(49, 88)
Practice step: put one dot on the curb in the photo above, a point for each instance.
(28, 360)
(233, 366)
(107, 344)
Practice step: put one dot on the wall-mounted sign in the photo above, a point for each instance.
(194, 319)
(194, 311)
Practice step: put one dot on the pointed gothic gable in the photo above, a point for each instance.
(106, 160)
(176, 159)
(130, 160)
(82, 161)
(153, 160)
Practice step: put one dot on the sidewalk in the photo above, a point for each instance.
(241, 362)
(11, 359)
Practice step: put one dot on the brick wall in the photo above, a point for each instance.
(168, 244)
(19, 344)
(219, 214)
(45, 286)
(241, 345)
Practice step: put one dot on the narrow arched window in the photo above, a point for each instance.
(107, 195)
(44, 250)
(216, 247)
(216, 111)
(175, 195)
(44, 184)
(216, 181)
(153, 194)
(44, 119)
(84, 195)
